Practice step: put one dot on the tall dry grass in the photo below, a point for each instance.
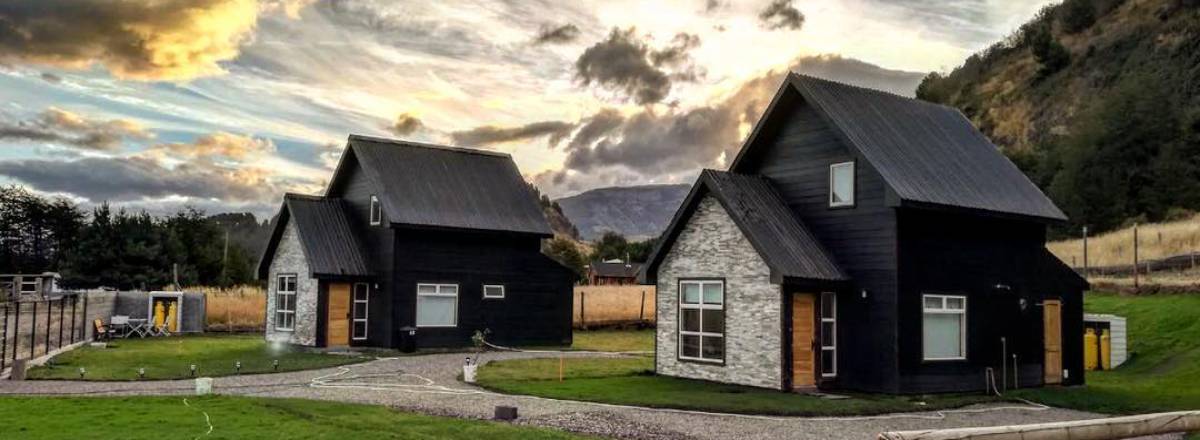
(613, 305)
(239, 308)
(1115, 248)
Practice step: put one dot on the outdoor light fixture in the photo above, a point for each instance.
(142, 373)
(238, 366)
(193, 370)
(275, 363)
(82, 372)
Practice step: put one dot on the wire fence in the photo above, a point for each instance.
(31, 329)
(600, 306)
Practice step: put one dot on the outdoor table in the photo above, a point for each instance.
(136, 327)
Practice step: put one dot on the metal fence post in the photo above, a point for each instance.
(61, 300)
(4, 340)
(49, 317)
(74, 301)
(16, 329)
(83, 332)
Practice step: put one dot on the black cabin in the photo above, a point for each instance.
(865, 241)
(446, 240)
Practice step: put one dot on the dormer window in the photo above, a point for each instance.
(376, 211)
(841, 184)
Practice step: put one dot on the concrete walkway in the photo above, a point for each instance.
(428, 384)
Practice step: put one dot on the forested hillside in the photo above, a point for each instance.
(1098, 101)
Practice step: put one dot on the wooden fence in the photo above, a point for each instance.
(599, 306)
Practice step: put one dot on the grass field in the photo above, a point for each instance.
(628, 381)
(1155, 240)
(614, 340)
(239, 308)
(171, 358)
(1163, 372)
(136, 418)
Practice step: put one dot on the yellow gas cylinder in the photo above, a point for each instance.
(1105, 350)
(1089, 350)
(171, 326)
(158, 314)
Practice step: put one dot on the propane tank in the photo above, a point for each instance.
(1090, 360)
(1105, 350)
(171, 320)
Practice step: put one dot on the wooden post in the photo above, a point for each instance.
(560, 367)
(1085, 249)
(16, 328)
(582, 301)
(83, 334)
(642, 309)
(1135, 257)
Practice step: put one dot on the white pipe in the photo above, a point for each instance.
(1095, 429)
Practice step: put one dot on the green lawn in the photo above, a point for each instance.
(614, 340)
(235, 418)
(1163, 372)
(171, 358)
(629, 381)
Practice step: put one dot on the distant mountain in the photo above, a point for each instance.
(637, 212)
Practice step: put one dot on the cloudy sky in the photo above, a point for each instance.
(226, 104)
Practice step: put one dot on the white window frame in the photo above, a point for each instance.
(962, 328)
(366, 311)
(829, 350)
(376, 211)
(849, 201)
(485, 291)
(701, 306)
(29, 281)
(279, 293)
(438, 293)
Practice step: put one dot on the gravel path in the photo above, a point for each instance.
(428, 384)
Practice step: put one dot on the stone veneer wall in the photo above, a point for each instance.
(289, 258)
(711, 245)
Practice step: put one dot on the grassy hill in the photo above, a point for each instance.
(1114, 248)
(1163, 372)
(1097, 101)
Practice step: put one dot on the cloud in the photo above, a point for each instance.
(780, 14)
(556, 35)
(489, 134)
(290, 8)
(624, 62)
(58, 126)
(213, 147)
(406, 124)
(653, 146)
(140, 40)
(51, 78)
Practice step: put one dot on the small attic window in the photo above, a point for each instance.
(376, 211)
(841, 184)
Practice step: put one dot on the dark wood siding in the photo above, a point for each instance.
(356, 189)
(536, 309)
(996, 263)
(795, 152)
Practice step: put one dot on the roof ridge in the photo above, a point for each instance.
(869, 90)
(405, 143)
(291, 195)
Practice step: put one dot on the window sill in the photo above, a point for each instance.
(937, 360)
(715, 363)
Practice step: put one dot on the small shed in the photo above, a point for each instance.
(1117, 334)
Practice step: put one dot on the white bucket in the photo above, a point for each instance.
(469, 373)
(203, 386)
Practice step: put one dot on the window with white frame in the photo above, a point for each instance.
(376, 211)
(944, 327)
(828, 334)
(493, 291)
(841, 184)
(437, 305)
(702, 320)
(29, 285)
(285, 302)
(362, 291)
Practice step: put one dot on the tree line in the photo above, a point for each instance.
(122, 249)
(609, 246)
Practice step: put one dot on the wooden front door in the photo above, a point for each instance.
(1052, 319)
(803, 358)
(337, 328)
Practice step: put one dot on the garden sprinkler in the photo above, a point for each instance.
(238, 367)
(193, 370)
(142, 373)
(275, 364)
(82, 372)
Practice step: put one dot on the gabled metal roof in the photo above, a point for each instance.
(426, 185)
(928, 154)
(331, 247)
(781, 239)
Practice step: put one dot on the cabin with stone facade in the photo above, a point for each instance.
(444, 240)
(865, 241)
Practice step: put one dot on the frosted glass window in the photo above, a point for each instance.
(944, 327)
(437, 305)
(841, 184)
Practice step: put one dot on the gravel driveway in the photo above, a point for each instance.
(428, 384)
